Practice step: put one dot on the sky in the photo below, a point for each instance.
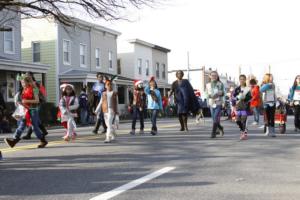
(223, 35)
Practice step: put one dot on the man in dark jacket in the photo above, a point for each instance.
(185, 99)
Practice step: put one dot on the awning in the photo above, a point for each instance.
(11, 65)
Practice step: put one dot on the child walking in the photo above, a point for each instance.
(109, 106)
(241, 100)
(269, 102)
(28, 99)
(137, 105)
(68, 106)
(154, 103)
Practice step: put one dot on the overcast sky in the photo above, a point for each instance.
(224, 34)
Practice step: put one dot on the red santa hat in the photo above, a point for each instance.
(137, 82)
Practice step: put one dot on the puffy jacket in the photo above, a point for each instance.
(256, 99)
(153, 105)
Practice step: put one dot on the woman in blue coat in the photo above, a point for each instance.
(185, 99)
(154, 102)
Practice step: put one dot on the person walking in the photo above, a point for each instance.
(215, 94)
(154, 100)
(255, 102)
(98, 89)
(68, 106)
(185, 99)
(109, 106)
(137, 106)
(29, 98)
(42, 99)
(294, 99)
(241, 101)
(83, 106)
(269, 103)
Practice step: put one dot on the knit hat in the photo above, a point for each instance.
(64, 85)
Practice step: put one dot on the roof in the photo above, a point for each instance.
(147, 44)
(12, 65)
(96, 26)
(88, 75)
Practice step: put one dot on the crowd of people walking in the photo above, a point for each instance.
(248, 98)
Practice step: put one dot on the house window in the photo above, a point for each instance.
(97, 56)
(82, 55)
(140, 66)
(36, 52)
(67, 52)
(110, 55)
(164, 71)
(157, 70)
(9, 40)
(119, 66)
(147, 67)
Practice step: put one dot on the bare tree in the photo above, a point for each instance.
(61, 10)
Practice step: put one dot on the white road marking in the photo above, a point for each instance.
(133, 184)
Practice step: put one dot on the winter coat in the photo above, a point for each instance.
(185, 98)
(68, 109)
(256, 99)
(269, 94)
(242, 98)
(292, 96)
(152, 104)
(212, 90)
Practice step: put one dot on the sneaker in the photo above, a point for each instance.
(66, 138)
(132, 132)
(104, 131)
(141, 132)
(267, 133)
(153, 132)
(112, 138)
(254, 123)
(95, 132)
(107, 141)
(241, 135)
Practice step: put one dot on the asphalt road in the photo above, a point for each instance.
(200, 168)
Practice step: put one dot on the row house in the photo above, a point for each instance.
(10, 56)
(76, 54)
(140, 60)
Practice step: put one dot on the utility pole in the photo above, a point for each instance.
(188, 66)
(240, 70)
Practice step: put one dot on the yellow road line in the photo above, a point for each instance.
(58, 142)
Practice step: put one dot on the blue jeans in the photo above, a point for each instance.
(35, 120)
(154, 114)
(216, 114)
(256, 113)
(135, 113)
(83, 116)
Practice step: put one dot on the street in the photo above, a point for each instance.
(185, 165)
